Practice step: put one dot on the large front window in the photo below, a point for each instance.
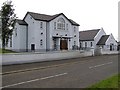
(61, 24)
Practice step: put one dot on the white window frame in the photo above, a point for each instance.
(61, 24)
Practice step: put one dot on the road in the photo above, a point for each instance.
(72, 73)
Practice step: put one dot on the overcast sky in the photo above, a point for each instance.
(90, 14)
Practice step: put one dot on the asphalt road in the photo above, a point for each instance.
(73, 73)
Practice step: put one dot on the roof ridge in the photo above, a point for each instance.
(90, 30)
(39, 13)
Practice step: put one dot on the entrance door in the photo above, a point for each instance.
(32, 46)
(111, 47)
(63, 45)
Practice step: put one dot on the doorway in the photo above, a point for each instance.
(63, 45)
(32, 47)
(111, 47)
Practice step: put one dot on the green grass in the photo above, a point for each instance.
(111, 82)
(6, 51)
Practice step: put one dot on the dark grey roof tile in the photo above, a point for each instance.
(103, 40)
(21, 22)
(44, 17)
(88, 35)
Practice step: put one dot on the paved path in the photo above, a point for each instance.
(74, 73)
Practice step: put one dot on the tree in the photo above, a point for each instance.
(8, 17)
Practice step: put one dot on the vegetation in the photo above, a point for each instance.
(7, 17)
(111, 82)
(6, 51)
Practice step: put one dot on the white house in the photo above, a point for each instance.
(97, 38)
(108, 42)
(89, 38)
(40, 32)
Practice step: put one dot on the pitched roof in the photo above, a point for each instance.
(88, 35)
(44, 17)
(103, 40)
(73, 22)
(21, 22)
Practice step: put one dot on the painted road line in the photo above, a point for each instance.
(31, 69)
(100, 65)
(57, 75)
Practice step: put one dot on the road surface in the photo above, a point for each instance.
(72, 73)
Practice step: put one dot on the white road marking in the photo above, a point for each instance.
(34, 80)
(100, 65)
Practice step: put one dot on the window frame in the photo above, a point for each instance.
(85, 44)
(61, 24)
(91, 44)
(41, 25)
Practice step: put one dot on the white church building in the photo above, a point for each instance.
(40, 32)
(97, 38)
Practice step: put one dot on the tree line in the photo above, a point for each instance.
(7, 21)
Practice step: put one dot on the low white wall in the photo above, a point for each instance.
(37, 57)
(109, 52)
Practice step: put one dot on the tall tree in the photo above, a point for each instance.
(8, 17)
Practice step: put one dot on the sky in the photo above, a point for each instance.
(90, 14)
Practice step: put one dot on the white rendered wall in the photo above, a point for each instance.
(88, 44)
(31, 30)
(19, 40)
(8, 59)
(34, 33)
(61, 33)
(98, 36)
(111, 40)
(40, 34)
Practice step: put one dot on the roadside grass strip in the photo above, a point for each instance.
(111, 82)
(6, 51)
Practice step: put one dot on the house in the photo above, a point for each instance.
(89, 38)
(95, 39)
(107, 42)
(40, 32)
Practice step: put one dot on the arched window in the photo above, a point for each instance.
(61, 24)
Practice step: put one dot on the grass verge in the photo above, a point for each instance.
(111, 82)
(6, 51)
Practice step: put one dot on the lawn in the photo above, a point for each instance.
(111, 82)
(6, 51)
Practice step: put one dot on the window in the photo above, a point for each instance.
(61, 24)
(67, 26)
(91, 44)
(74, 42)
(55, 45)
(54, 25)
(30, 17)
(41, 33)
(41, 42)
(74, 29)
(74, 35)
(41, 25)
(15, 31)
(85, 44)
